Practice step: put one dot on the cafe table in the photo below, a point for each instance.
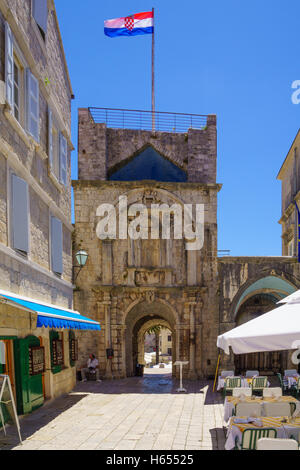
(231, 402)
(286, 428)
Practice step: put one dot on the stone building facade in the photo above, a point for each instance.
(130, 285)
(289, 175)
(35, 187)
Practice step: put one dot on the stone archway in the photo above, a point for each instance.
(137, 320)
(255, 299)
(142, 331)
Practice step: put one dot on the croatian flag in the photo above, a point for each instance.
(140, 23)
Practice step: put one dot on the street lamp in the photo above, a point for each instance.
(81, 257)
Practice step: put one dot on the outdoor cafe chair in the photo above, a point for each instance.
(251, 436)
(290, 372)
(259, 383)
(272, 392)
(251, 373)
(230, 384)
(283, 383)
(248, 409)
(227, 373)
(279, 409)
(296, 388)
(237, 392)
(267, 443)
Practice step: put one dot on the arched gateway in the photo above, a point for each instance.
(141, 317)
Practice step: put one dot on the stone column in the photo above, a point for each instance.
(107, 313)
(107, 262)
(191, 268)
(123, 334)
(192, 364)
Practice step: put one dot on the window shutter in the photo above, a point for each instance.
(50, 139)
(32, 105)
(56, 245)
(63, 150)
(20, 214)
(9, 65)
(40, 13)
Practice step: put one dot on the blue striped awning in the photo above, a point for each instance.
(50, 315)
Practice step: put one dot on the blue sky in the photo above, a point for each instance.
(235, 59)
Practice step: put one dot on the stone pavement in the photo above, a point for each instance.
(136, 413)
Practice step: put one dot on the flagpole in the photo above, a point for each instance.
(153, 91)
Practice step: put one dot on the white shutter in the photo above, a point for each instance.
(9, 65)
(40, 13)
(63, 153)
(50, 139)
(56, 245)
(32, 105)
(20, 214)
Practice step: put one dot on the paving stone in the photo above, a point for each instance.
(109, 419)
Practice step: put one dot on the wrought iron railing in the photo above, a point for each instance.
(147, 120)
(224, 252)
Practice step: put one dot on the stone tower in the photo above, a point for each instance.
(130, 284)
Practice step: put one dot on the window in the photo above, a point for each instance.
(40, 14)
(169, 351)
(14, 76)
(32, 87)
(169, 338)
(19, 214)
(17, 85)
(57, 150)
(56, 246)
(63, 154)
(56, 351)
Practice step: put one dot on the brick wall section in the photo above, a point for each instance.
(102, 150)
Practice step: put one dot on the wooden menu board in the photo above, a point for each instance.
(57, 352)
(36, 360)
(74, 349)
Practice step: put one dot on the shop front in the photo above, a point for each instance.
(38, 349)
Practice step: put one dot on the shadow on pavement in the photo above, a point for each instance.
(154, 383)
(39, 418)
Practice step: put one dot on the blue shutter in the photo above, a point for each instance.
(9, 65)
(63, 151)
(32, 105)
(56, 246)
(50, 139)
(20, 214)
(40, 13)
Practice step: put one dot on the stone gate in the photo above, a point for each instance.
(129, 285)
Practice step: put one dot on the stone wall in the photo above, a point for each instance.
(102, 150)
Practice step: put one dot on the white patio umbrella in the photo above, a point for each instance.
(294, 298)
(276, 330)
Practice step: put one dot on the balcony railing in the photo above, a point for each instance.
(146, 120)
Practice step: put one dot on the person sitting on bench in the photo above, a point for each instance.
(92, 367)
